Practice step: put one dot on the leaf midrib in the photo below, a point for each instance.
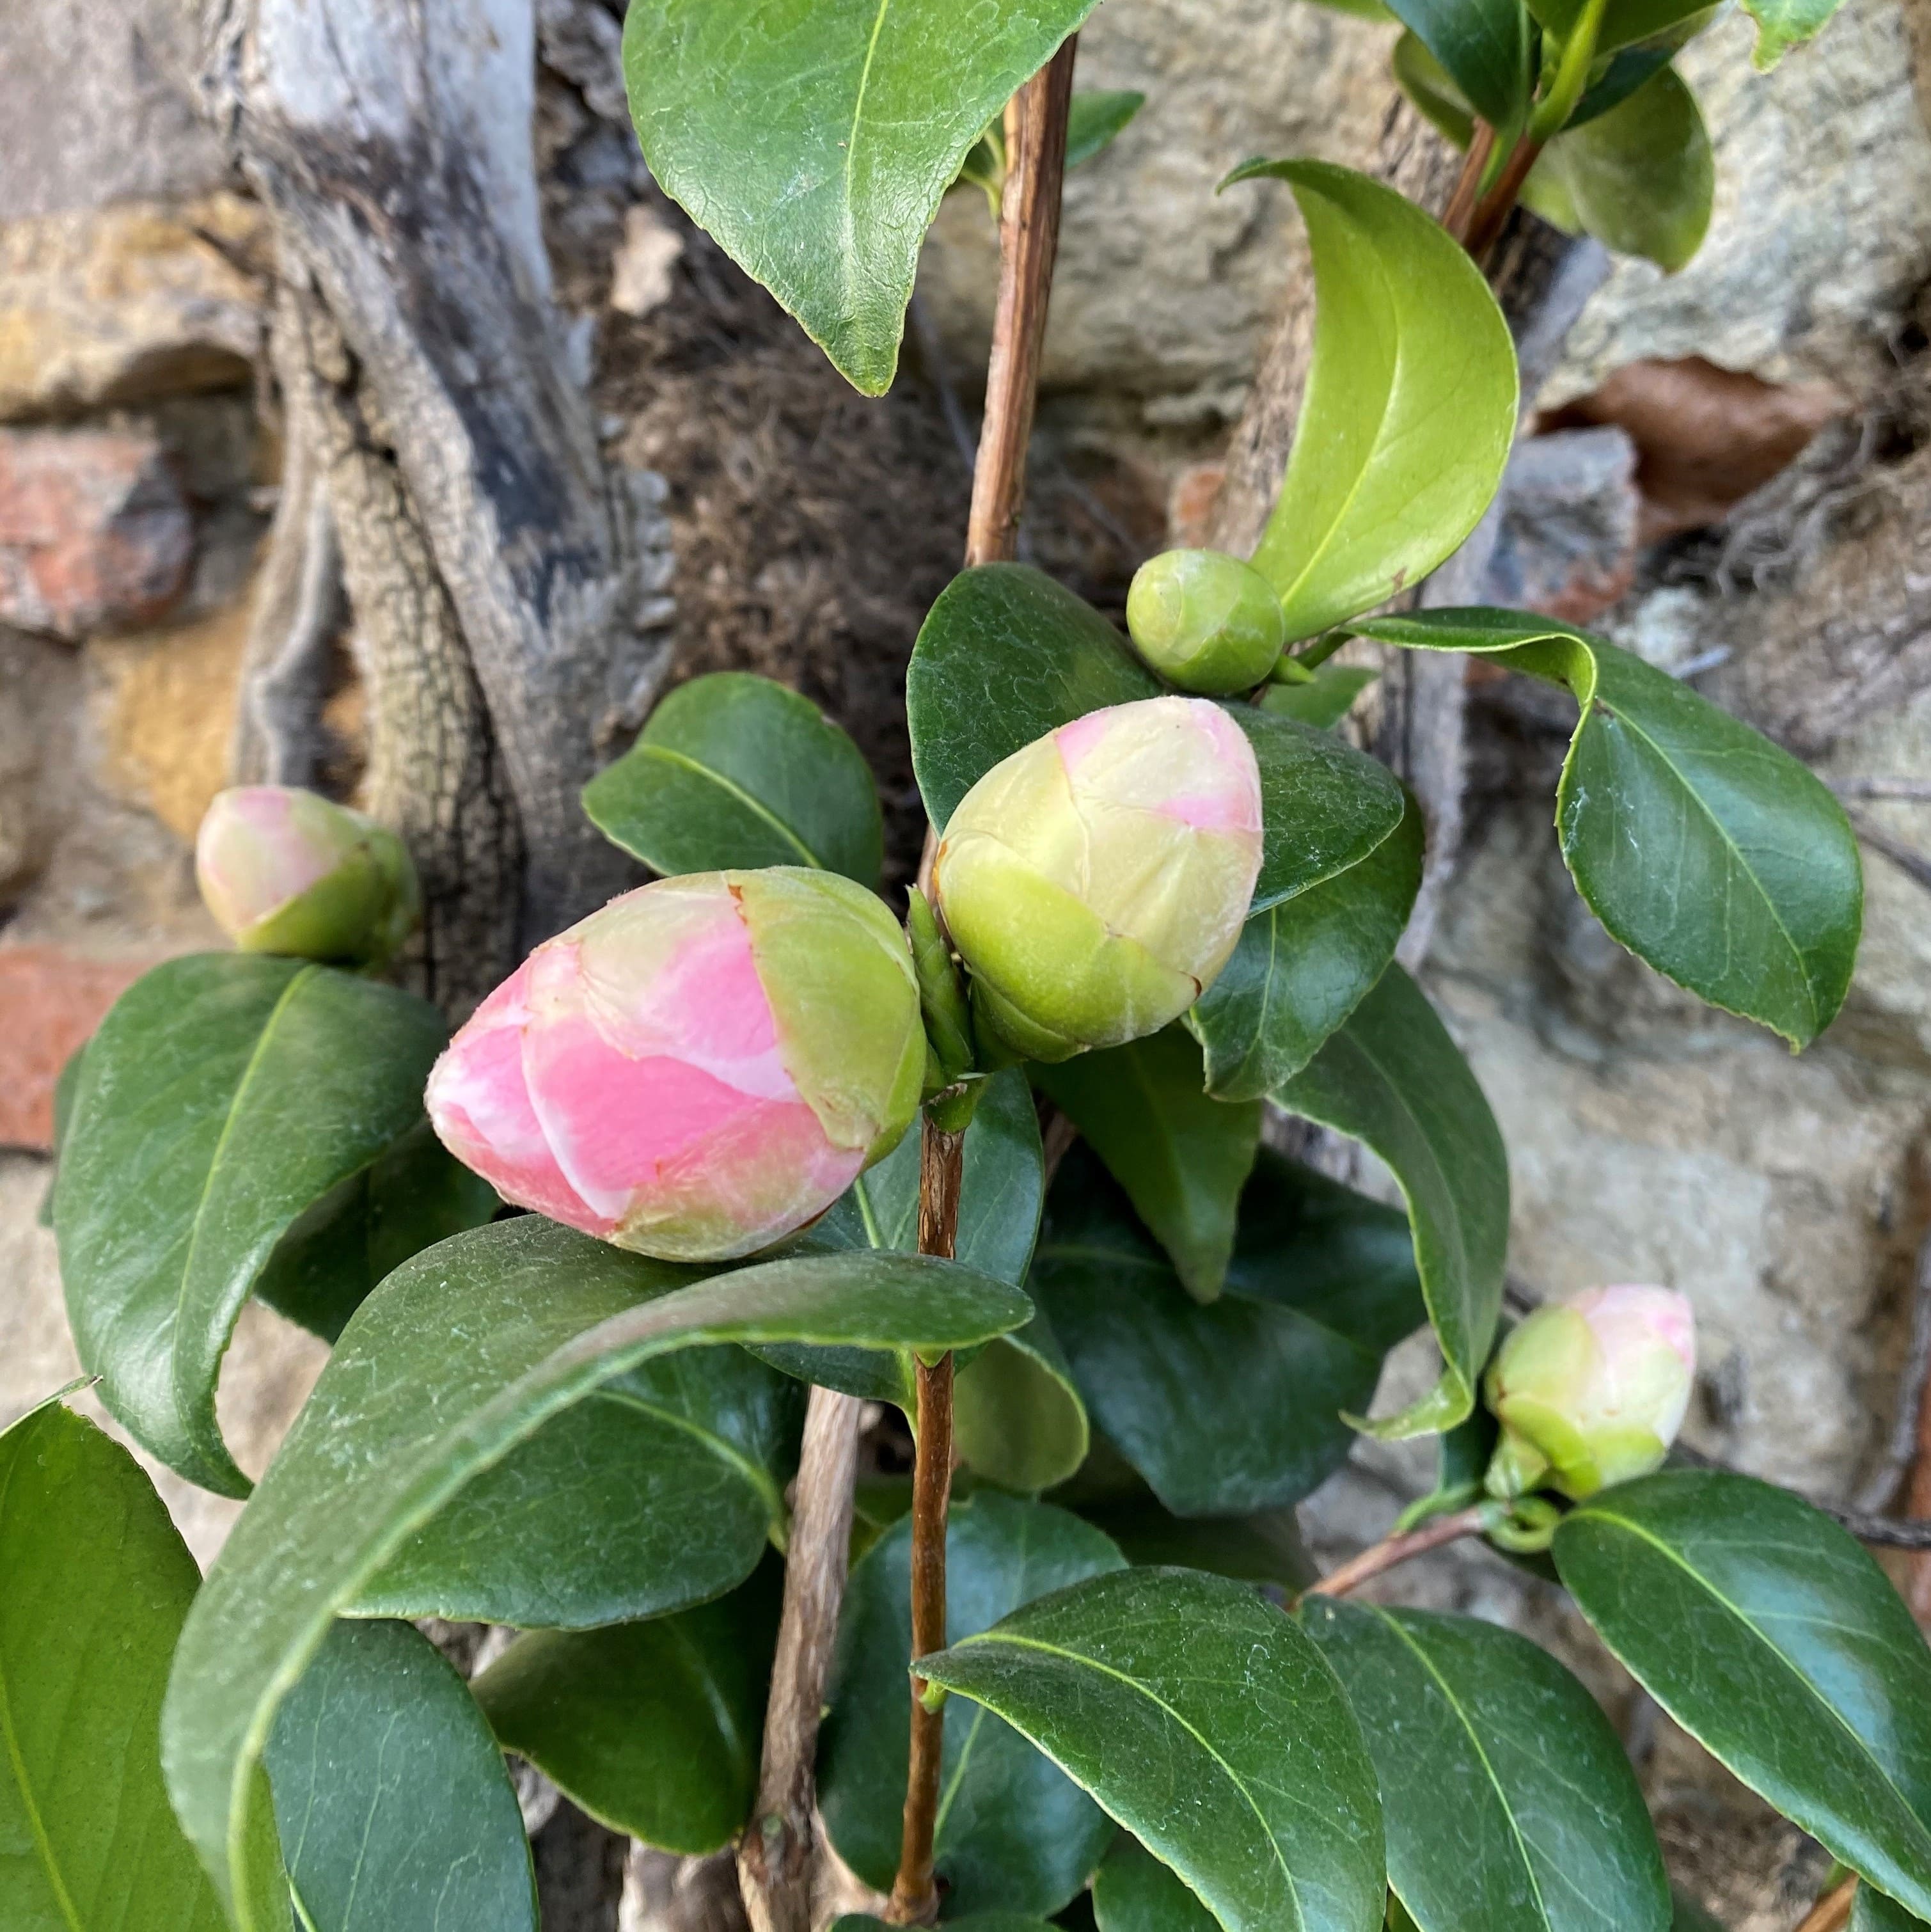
(731, 789)
(1134, 1683)
(16, 1763)
(1696, 1576)
(727, 1452)
(848, 210)
(1488, 1769)
(1729, 844)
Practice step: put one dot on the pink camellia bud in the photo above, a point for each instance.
(284, 871)
(1591, 1390)
(1095, 881)
(697, 1070)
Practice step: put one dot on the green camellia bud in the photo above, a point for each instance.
(1095, 882)
(1591, 1391)
(1205, 621)
(284, 871)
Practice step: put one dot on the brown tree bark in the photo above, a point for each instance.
(503, 581)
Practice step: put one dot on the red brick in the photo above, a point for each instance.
(51, 1001)
(94, 532)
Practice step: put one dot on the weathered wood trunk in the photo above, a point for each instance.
(503, 582)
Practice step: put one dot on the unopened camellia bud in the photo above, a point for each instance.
(697, 1070)
(1591, 1390)
(1095, 882)
(1205, 620)
(284, 871)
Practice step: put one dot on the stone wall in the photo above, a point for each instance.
(1650, 1138)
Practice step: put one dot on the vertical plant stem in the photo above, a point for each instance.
(776, 1856)
(1029, 240)
(1460, 209)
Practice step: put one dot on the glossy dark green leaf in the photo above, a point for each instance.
(659, 1490)
(977, 1921)
(1625, 22)
(1641, 176)
(1870, 1911)
(653, 1728)
(1132, 1892)
(1411, 406)
(1426, 83)
(1626, 72)
(814, 139)
(1263, 1547)
(414, 1194)
(1705, 849)
(96, 1582)
(1771, 1637)
(1392, 1078)
(1182, 1156)
(1301, 968)
(733, 773)
(397, 1812)
(1784, 24)
(1014, 1833)
(1324, 806)
(1505, 1796)
(1005, 655)
(224, 1095)
(546, 1317)
(1236, 1405)
(1018, 1418)
(1097, 116)
(1206, 1722)
(65, 1086)
(1000, 1185)
(1325, 700)
(1483, 44)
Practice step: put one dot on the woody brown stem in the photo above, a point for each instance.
(1029, 240)
(1492, 212)
(1393, 1550)
(1833, 1911)
(1460, 209)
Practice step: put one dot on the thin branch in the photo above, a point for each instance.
(1902, 1450)
(1460, 209)
(1029, 239)
(1833, 1911)
(1392, 1550)
(777, 1854)
(1916, 790)
(1492, 212)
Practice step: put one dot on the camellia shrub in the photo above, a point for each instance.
(608, 1275)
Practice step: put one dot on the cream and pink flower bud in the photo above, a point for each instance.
(1095, 882)
(284, 871)
(698, 1069)
(1591, 1391)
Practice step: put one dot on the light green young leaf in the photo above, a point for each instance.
(1641, 177)
(1411, 405)
(1206, 1723)
(1784, 24)
(546, 1317)
(1182, 1156)
(1392, 1078)
(97, 1583)
(224, 1095)
(1764, 1630)
(813, 139)
(1324, 700)
(1705, 849)
(733, 772)
(395, 1809)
